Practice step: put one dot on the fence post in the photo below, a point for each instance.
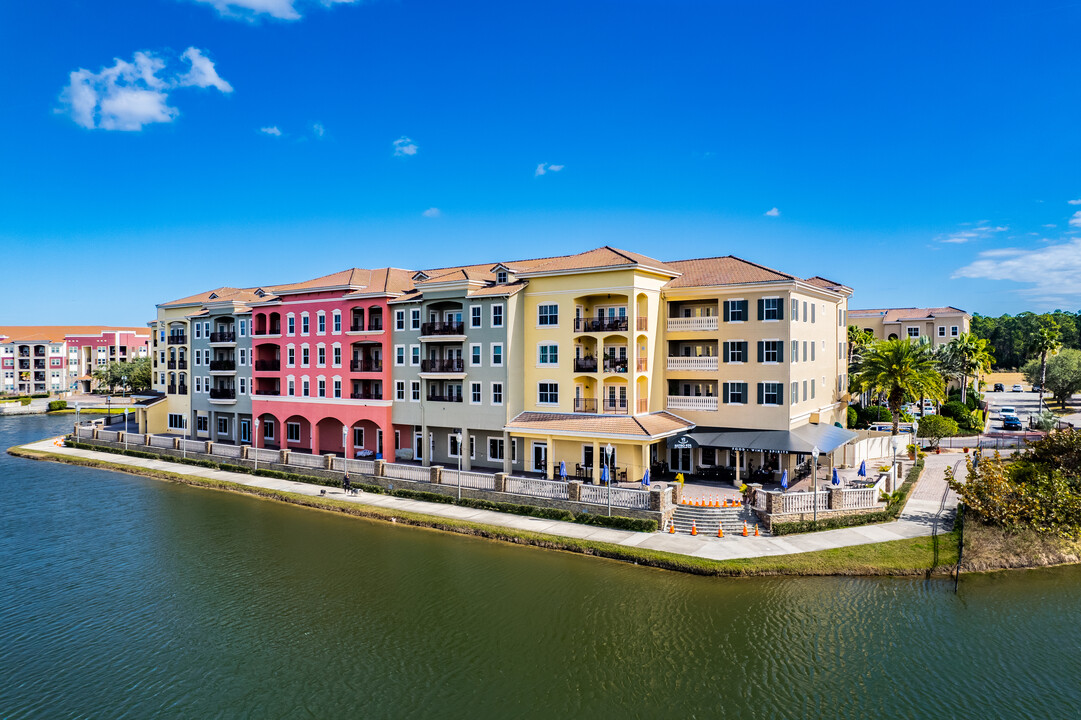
(574, 490)
(435, 474)
(209, 447)
(836, 499)
(774, 503)
(146, 439)
(656, 499)
(380, 468)
(677, 493)
(328, 461)
(176, 443)
(245, 452)
(95, 432)
(501, 483)
(283, 457)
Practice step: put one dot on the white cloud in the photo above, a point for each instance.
(545, 168)
(1075, 220)
(129, 95)
(280, 9)
(773, 212)
(432, 212)
(272, 130)
(982, 231)
(1052, 272)
(318, 129)
(1074, 202)
(404, 146)
(1050, 225)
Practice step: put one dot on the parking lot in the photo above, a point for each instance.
(1024, 403)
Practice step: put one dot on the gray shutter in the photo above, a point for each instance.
(743, 387)
(761, 308)
(761, 393)
(727, 311)
(726, 343)
(724, 391)
(743, 305)
(780, 311)
(780, 351)
(745, 355)
(761, 351)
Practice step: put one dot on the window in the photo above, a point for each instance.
(472, 446)
(399, 354)
(321, 323)
(770, 393)
(292, 387)
(840, 351)
(290, 356)
(452, 445)
(942, 331)
(497, 316)
(337, 388)
(305, 387)
(322, 387)
(243, 354)
(735, 310)
(734, 393)
(497, 354)
(292, 432)
(414, 319)
(813, 313)
(495, 448)
(358, 437)
(548, 393)
(290, 325)
(804, 351)
(501, 277)
(176, 421)
(475, 355)
(223, 426)
(840, 317)
(548, 315)
(305, 356)
(804, 312)
(770, 309)
(242, 383)
(198, 330)
(414, 355)
(321, 355)
(198, 384)
(804, 391)
(770, 351)
(812, 384)
(268, 429)
(337, 322)
(414, 391)
(953, 331)
(795, 309)
(399, 319)
(497, 393)
(304, 326)
(399, 390)
(202, 423)
(337, 355)
(548, 355)
(795, 393)
(198, 358)
(795, 351)
(475, 316)
(913, 332)
(243, 327)
(474, 393)
(812, 348)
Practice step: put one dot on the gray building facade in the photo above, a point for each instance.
(221, 371)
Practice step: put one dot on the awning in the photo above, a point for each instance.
(801, 440)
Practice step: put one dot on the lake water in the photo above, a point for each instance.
(123, 596)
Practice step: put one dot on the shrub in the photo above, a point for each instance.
(58, 405)
(24, 401)
(851, 417)
(936, 427)
(617, 522)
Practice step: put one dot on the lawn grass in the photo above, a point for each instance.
(919, 556)
(93, 411)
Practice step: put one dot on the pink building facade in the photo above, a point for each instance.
(321, 376)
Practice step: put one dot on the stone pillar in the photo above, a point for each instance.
(500, 482)
(836, 498)
(773, 502)
(283, 457)
(209, 447)
(738, 483)
(328, 461)
(245, 452)
(656, 499)
(597, 458)
(677, 493)
(435, 474)
(645, 461)
(176, 443)
(754, 488)
(95, 432)
(425, 445)
(464, 450)
(146, 439)
(574, 490)
(549, 446)
(507, 469)
(380, 468)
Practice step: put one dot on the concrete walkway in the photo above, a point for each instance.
(922, 517)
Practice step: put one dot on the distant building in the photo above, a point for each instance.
(941, 324)
(60, 359)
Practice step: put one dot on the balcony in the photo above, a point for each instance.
(222, 338)
(39, 364)
(436, 365)
(442, 328)
(24, 353)
(366, 366)
(643, 324)
(222, 394)
(177, 365)
(643, 364)
(703, 362)
(268, 365)
(39, 352)
(444, 398)
(692, 324)
(171, 389)
(595, 325)
(614, 406)
(372, 327)
(24, 364)
(178, 339)
(272, 393)
(692, 402)
(274, 331)
(585, 365)
(182, 389)
(222, 366)
(585, 405)
(615, 365)
(366, 395)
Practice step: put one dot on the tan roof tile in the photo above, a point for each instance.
(891, 315)
(57, 333)
(639, 426)
(602, 257)
(222, 294)
(727, 270)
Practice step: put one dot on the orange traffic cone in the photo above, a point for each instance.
(671, 527)
(720, 531)
(694, 528)
(744, 529)
(756, 529)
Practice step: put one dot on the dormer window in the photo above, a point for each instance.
(213, 296)
(417, 277)
(501, 277)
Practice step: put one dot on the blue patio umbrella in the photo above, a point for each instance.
(836, 480)
(784, 480)
(604, 473)
(562, 470)
(863, 469)
(645, 478)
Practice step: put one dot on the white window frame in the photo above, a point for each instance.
(290, 355)
(502, 449)
(305, 324)
(492, 354)
(336, 354)
(476, 350)
(730, 384)
(415, 317)
(547, 324)
(321, 321)
(540, 361)
(305, 355)
(476, 389)
(415, 394)
(502, 315)
(476, 314)
(780, 306)
(289, 432)
(548, 403)
(497, 389)
(399, 390)
(290, 324)
(399, 355)
(321, 355)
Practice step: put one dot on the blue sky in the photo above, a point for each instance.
(924, 155)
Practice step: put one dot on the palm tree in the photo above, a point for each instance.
(900, 370)
(975, 358)
(1046, 341)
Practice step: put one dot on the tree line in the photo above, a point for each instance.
(1011, 337)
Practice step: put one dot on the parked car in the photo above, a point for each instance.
(1018, 388)
(1011, 422)
(1006, 410)
(1036, 388)
(999, 387)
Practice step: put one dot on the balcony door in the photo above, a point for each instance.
(681, 460)
(540, 457)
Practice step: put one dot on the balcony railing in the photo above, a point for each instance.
(643, 405)
(366, 366)
(223, 365)
(268, 365)
(372, 327)
(182, 389)
(223, 337)
(222, 394)
(366, 395)
(692, 402)
(643, 364)
(39, 364)
(177, 365)
(452, 365)
(585, 405)
(275, 330)
(444, 398)
(692, 323)
(586, 364)
(615, 365)
(171, 389)
(24, 364)
(442, 328)
(616, 406)
(618, 324)
(643, 323)
(178, 339)
(703, 362)
(268, 392)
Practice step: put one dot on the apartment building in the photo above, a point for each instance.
(940, 325)
(61, 359)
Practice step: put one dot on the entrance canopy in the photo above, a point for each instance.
(801, 440)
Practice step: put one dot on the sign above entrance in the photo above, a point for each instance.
(684, 442)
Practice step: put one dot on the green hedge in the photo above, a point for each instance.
(891, 512)
(616, 521)
(58, 405)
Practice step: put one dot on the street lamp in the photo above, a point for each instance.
(345, 447)
(77, 428)
(124, 386)
(608, 454)
(814, 478)
(255, 442)
(125, 429)
(458, 439)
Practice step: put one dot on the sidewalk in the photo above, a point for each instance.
(921, 518)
